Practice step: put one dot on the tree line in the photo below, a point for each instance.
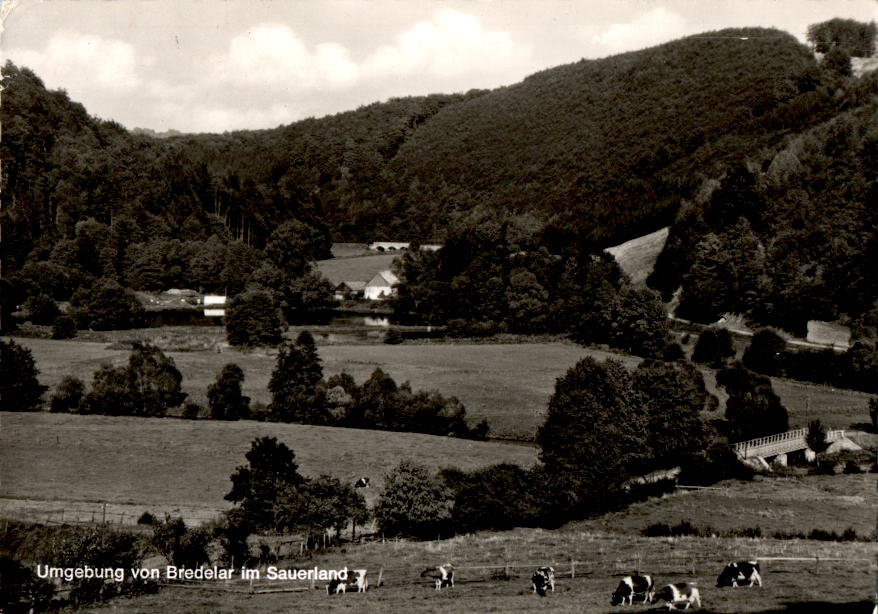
(150, 385)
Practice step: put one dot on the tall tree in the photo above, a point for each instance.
(20, 390)
(752, 409)
(252, 318)
(224, 398)
(594, 436)
(674, 395)
(270, 471)
(296, 384)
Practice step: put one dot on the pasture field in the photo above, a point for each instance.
(354, 267)
(825, 586)
(161, 465)
(786, 504)
(508, 384)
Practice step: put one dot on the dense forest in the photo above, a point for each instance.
(756, 151)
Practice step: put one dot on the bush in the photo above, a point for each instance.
(393, 337)
(64, 327)
(146, 519)
(42, 309)
(69, 396)
(852, 467)
(107, 306)
(414, 503)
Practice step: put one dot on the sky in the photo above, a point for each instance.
(221, 65)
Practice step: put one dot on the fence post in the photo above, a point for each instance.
(572, 568)
(381, 575)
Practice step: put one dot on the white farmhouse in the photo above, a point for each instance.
(214, 305)
(381, 286)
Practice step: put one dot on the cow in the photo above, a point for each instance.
(631, 587)
(682, 593)
(362, 483)
(361, 582)
(742, 573)
(443, 575)
(542, 579)
(336, 586)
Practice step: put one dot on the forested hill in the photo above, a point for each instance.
(600, 145)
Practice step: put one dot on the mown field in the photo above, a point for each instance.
(508, 384)
(159, 465)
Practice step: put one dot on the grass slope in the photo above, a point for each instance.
(637, 256)
(161, 464)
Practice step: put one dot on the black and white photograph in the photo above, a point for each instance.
(438, 306)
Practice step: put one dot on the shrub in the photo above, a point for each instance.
(393, 337)
(64, 327)
(414, 503)
(70, 393)
(146, 518)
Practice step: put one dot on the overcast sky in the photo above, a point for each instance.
(217, 65)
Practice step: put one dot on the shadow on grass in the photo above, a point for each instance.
(807, 607)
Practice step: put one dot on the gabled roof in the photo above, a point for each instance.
(383, 279)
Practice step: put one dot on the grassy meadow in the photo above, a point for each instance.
(481, 585)
(508, 384)
(161, 464)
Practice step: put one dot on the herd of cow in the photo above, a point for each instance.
(631, 588)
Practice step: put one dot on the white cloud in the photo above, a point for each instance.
(450, 45)
(80, 61)
(656, 26)
(273, 56)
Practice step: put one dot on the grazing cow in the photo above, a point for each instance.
(742, 573)
(362, 483)
(631, 587)
(336, 587)
(361, 582)
(542, 579)
(443, 575)
(683, 593)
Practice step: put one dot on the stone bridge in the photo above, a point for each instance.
(780, 444)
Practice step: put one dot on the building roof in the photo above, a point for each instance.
(383, 279)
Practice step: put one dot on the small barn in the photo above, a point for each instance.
(381, 286)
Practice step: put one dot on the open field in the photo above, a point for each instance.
(163, 464)
(508, 384)
(360, 267)
(824, 586)
(786, 504)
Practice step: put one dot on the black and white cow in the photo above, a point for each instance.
(361, 583)
(682, 593)
(337, 586)
(543, 579)
(630, 587)
(443, 575)
(742, 573)
(362, 483)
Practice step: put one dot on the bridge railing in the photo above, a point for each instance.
(768, 441)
